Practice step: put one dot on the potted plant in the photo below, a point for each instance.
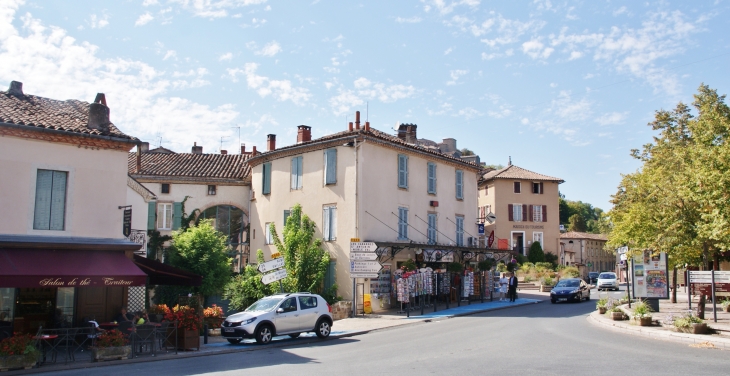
(615, 313)
(726, 305)
(409, 265)
(18, 352)
(601, 305)
(188, 325)
(642, 313)
(690, 324)
(111, 345)
(455, 267)
(546, 283)
(484, 265)
(159, 311)
(213, 317)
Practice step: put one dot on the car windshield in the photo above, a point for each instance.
(593, 274)
(265, 304)
(568, 283)
(607, 276)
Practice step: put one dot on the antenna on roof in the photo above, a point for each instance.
(159, 144)
(239, 135)
(367, 111)
(510, 161)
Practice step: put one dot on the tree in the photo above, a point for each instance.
(536, 253)
(577, 223)
(466, 152)
(202, 250)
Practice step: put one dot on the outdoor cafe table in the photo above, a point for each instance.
(108, 325)
(47, 344)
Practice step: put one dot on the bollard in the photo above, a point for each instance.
(205, 334)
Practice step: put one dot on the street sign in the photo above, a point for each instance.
(127, 222)
(273, 277)
(363, 256)
(354, 240)
(480, 228)
(706, 276)
(491, 239)
(622, 250)
(363, 275)
(365, 266)
(363, 247)
(623, 257)
(491, 217)
(271, 265)
(275, 255)
(590, 264)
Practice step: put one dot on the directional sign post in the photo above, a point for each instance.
(273, 277)
(363, 256)
(363, 247)
(372, 267)
(271, 265)
(491, 217)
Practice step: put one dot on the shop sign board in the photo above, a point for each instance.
(436, 255)
(273, 277)
(650, 275)
(271, 265)
(363, 247)
(127, 222)
(363, 256)
(480, 228)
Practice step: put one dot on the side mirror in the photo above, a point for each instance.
(280, 310)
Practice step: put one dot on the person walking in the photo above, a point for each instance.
(503, 287)
(512, 287)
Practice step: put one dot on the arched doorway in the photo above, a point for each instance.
(232, 222)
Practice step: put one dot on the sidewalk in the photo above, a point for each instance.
(663, 331)
(341, 328)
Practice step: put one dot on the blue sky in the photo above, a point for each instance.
(564, 88)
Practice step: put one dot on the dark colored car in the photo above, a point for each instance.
(574, 289)
(593, 277)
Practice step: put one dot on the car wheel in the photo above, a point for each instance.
(323, 328)
(579, 298)
(588, 297)
(264, 334)
(552, 301)
(234, 341)
(294, 335)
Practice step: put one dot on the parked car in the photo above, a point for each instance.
(574, 289)
(280, 314)
(593, 277)
(606, 281)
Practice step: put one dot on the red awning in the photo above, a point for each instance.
(67, 268)
(162, 274)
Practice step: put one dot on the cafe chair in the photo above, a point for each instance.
(143, 339)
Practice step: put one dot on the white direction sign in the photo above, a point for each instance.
(363, 256)
(273, 277)
(706, 276)
(364, 275)
(365, 266)
(271, 265)
(491, 217)
(363, 247)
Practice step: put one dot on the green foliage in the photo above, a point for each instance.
(547, 281)
(577, 223)
(501, 267)
(536, 254)
(168, 294)
(454, 267)
(466, 152)
(155, 243)
(552, 259)
(725, 304)
(641, 309)
(526, 266)
(409, 265)
(570, 272)
(687, 320)
(202, 250)
(484, 265)
(246, 288)
(511, 267)
(187, 219)
(602, 303)
(528, 278)
(543, 266)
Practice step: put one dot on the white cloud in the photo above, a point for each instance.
(144, 19)
(270, 49)
(448, 51)
(226, 57)
(98, 22)
(612, 118)
(256, 126)
(147, 3)
(620, 11)
(414, 19)
(455, 75)
(364, 90)
(56, 65)
(468, 113)
(281, 90)
(568, 109)
(536, 49)
(213, 8)
(446, 7)
(169, 54)
(525, 121)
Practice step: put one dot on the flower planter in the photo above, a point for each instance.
(100, 354)
(544, 288)
(188, 339)
(645, 321)
(617, 316)
(158, 317)
(602, 310)
(17, 361)
(213, 322)
(727, 309)
(694, 328)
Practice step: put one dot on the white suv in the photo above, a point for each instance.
(606, 281)
(280, 314)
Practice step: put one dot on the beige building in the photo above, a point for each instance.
(585, 250)
(366, 184)
(525, 204)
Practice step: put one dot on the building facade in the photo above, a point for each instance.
(585, 250)
(526, 208)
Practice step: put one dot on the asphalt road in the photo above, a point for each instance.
(538, 339)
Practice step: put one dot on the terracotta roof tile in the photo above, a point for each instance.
(188, 165)
(514, 172)
(583, 235)
(70, 115)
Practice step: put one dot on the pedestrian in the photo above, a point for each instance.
(503, 287)
(512, 292)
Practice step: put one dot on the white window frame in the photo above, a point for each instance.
(212, 190)
(268, 236)
(539, 190)
(460, 230)
(402, 223)
(538, 237)
(517, 213)
(329, 223)
(164, 215)
(537, 213)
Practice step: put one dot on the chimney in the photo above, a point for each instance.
(450, 144)
(145, 147)
(357, 119)
(243, 148)
(402, 131)
(196, 149)
(99, 114)
(409, 135)
(510, 161)
(253, 151)
(16, 89)
(139, 157)
(349, 127)
(367, 126)
(224, 152)
(412, 133)
(270, 142)
(304, 134)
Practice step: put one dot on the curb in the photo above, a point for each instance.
(653, 333)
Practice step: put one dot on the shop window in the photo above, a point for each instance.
(165, 188)
(50, 200)
(7, 302)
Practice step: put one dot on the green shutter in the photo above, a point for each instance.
(151, 215)
(266, 186)
(176, 215)
(329, 279)
(287, 213)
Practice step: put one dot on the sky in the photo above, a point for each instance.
(565, 89)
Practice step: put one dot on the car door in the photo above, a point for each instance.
(309, 312)
(584, 291)
(287, 316)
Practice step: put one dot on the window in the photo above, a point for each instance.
(165, 188)
(211, 190)
(537, 188)
(329, 223)
(164, 216)
(517, 187)
(289, 305)
(287, 213)
(266, 179)
(402, 224)
(296, 173)
(50, 200)
(482, 212)
(538, 213)
(432, 225)
(330, 166)
(307, 302)
(227, 219)
(459, 231)
(402, 171)
(432, 177)
(459, 184)
(537, 237)
(517, 212)
(269, 237)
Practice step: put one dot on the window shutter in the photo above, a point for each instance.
(431, 177)
(541, 188)
(333, 223)
(544, 213)
(266, 181)
(286, 215)
(176, 215)
(326, 223)
(510, 212)
(294, 174)
(402, 178)
(42, 215)
(330, 161)
(530, 219)
(151, 211)
(459, 184)
(524, 212)
(329, 279)
(300, 172)
(58, 200)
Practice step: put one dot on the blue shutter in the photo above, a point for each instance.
(42, 215)
(402, 223)
(330, 163)
(294, 173)
(431, 177)
(151, 215)
(402, 171)
(326, 223)
(266, 180)
(58, 200)
(459, 184)
(176, 215)
(432, 228)
(300, 172)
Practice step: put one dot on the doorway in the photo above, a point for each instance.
(518, 242)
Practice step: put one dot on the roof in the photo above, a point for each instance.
(70, 116)
(189, 165)
(583, 235)
(373, 134)
(518, 173)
